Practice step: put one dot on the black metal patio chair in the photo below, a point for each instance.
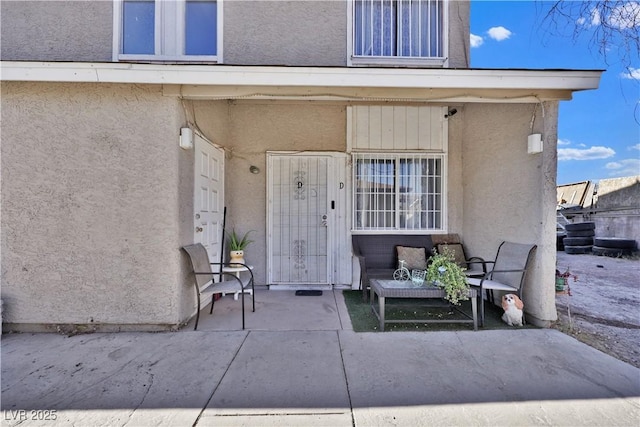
(205, 283)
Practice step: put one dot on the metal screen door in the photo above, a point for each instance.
(298, 209)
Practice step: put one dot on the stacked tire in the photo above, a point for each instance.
(613, 246)
(579, 238)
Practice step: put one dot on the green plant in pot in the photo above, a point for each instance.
(446, 274)
(237, 246)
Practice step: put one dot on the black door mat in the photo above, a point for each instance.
(308, 293)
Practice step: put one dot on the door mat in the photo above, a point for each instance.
(308, 293)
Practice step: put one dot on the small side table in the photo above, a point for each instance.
(237, 271)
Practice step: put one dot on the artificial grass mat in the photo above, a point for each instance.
(364, 320)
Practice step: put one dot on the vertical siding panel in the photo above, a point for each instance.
(361, 135)
(400, 128)
(375, 134)
(437, 120)
(386, 128)
(351, 129)
(424, 128)
(412, 127)
(397, 128)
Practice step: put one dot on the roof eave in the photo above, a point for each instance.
(342, 83)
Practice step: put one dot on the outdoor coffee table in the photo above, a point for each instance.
(384, 288)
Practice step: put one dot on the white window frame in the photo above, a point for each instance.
(170, 34)
(397, 156)
(436, 62)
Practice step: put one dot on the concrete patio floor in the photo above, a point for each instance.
(299, 363)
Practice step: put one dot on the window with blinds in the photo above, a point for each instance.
(398, 28)
(397, 192)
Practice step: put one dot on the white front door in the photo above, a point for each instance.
(302, 217)
(208, 198)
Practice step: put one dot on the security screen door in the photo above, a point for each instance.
(299, 219)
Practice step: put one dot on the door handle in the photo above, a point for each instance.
(199, 229)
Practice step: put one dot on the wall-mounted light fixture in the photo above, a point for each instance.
(450, 113)
(534, 143)
(186, 138)
(254, 170)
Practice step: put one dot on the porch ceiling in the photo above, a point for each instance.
(315, 83)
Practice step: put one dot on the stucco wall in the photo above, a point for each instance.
(459, 33)
(275, 32)
(285, 32)
(56, 30)
(510, 194)
(92, 183)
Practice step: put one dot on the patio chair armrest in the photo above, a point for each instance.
(478, 260)
(521, 270)
(241, 285)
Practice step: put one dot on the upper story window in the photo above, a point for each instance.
(398, 31)
(162, 30)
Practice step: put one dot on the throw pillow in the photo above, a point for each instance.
(414, 258)
(456, 249)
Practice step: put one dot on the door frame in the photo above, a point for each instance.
(338, 236)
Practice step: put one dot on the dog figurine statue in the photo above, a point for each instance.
(513, 314)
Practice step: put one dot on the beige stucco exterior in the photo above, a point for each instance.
(510, 194)
(56, 30)
(298, 33)
(97, 198)
(97, 195)
(285, 32)
(93, 205)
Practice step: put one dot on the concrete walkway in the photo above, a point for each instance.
(300, 364)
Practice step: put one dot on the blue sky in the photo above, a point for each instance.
(598, 131)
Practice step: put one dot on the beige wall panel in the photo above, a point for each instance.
(91, 210)
(56, 30)
(509, 194)
(398, 128)
(399, 124)
(254, 129)
(285, 32)
(375, 128)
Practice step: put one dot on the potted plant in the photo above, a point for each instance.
(445, 273)
(237, 245)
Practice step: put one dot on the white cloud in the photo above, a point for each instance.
(623, 16)
(635, 147)
(476, 41)
(634, 73)
(564, 142)
(626, 15)
(499, 33)
(626, 167)
(595, 17)
(591, 153)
